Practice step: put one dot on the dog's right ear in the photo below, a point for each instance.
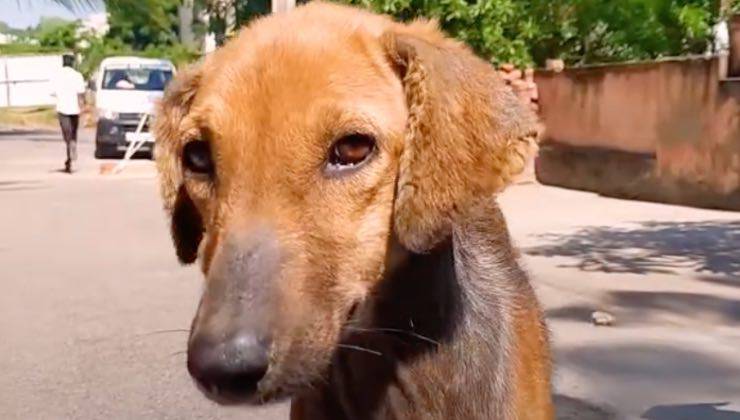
(187, 223)
(467, 135)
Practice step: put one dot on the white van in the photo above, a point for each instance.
(126, 88)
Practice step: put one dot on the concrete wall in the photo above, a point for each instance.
(665, 131)
(24, 80)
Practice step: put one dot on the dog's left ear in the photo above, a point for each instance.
(187, 222)
(467, 134)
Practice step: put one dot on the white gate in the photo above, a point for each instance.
(25, 79)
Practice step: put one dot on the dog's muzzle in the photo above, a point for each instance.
(228, 351)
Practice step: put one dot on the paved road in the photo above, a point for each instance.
(94, 309)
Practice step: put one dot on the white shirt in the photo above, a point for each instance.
(66, 85)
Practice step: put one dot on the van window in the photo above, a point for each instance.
(136, 79)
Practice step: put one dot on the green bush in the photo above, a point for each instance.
(735, 6)
(143, 28)
(28, 49)
(578, 31)
(497, 30)
(57, 35)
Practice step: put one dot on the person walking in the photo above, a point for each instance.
(68, 89)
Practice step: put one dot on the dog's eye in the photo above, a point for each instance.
(351, 150)
(196, 157)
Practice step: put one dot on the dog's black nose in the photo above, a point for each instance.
(228, 370)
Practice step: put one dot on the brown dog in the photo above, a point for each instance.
(334, 173)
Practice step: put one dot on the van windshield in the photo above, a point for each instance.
(136, 79)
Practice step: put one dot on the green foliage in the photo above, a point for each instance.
(524, 32)
(6, 29)
(498, 30)
(99, 49)
(735, 6)
(143, 23)
(61, 35)
(144, 28)
(244, 11)
(592, 31)
(50, 36)
(20, 48)
(76, 5)
(578, 31)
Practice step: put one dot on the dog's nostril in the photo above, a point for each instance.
(230, 369)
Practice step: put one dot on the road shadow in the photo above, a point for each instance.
(708, 247)
(703, 411)
(648, 373)
(723, 281)
(59, 171)
(20, 185)
(569, 408)
(640, 306)
(33, 135)
(25, 131)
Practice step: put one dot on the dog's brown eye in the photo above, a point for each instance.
(196, 157)
(351, 150)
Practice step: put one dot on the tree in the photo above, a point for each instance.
(524, 32)
(56, 33)
(592, 31)
(497, 30)
(143, 23)
(578, 31)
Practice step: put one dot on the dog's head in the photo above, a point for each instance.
(295, 156)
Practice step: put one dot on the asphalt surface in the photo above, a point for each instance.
(95, 308)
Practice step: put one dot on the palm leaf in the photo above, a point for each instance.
(76, 5)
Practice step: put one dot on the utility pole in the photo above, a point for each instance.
(185, 14)
(282, 5)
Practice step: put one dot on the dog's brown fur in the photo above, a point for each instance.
(394, 292)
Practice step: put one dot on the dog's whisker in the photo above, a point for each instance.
(177, 353)
(358, 348)
(396, 330)
(156, 332)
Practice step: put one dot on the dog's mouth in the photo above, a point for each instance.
(260, 394)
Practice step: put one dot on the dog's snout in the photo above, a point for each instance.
(231, 335)
(229, 370)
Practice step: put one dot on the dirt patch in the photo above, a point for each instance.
(27, 117)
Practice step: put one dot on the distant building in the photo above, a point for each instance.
(7, 38)
(95, 24)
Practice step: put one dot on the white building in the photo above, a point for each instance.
(95, 24)
(7, 38)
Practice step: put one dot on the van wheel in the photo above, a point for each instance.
(103, 152)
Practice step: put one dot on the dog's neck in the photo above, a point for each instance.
(433, 341)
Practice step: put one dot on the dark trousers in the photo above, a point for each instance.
(69, 132)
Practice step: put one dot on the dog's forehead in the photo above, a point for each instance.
(290, 86)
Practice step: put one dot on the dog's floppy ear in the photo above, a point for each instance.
(187, 223)
(467, 134)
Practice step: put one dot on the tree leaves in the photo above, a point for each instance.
(527, 32)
